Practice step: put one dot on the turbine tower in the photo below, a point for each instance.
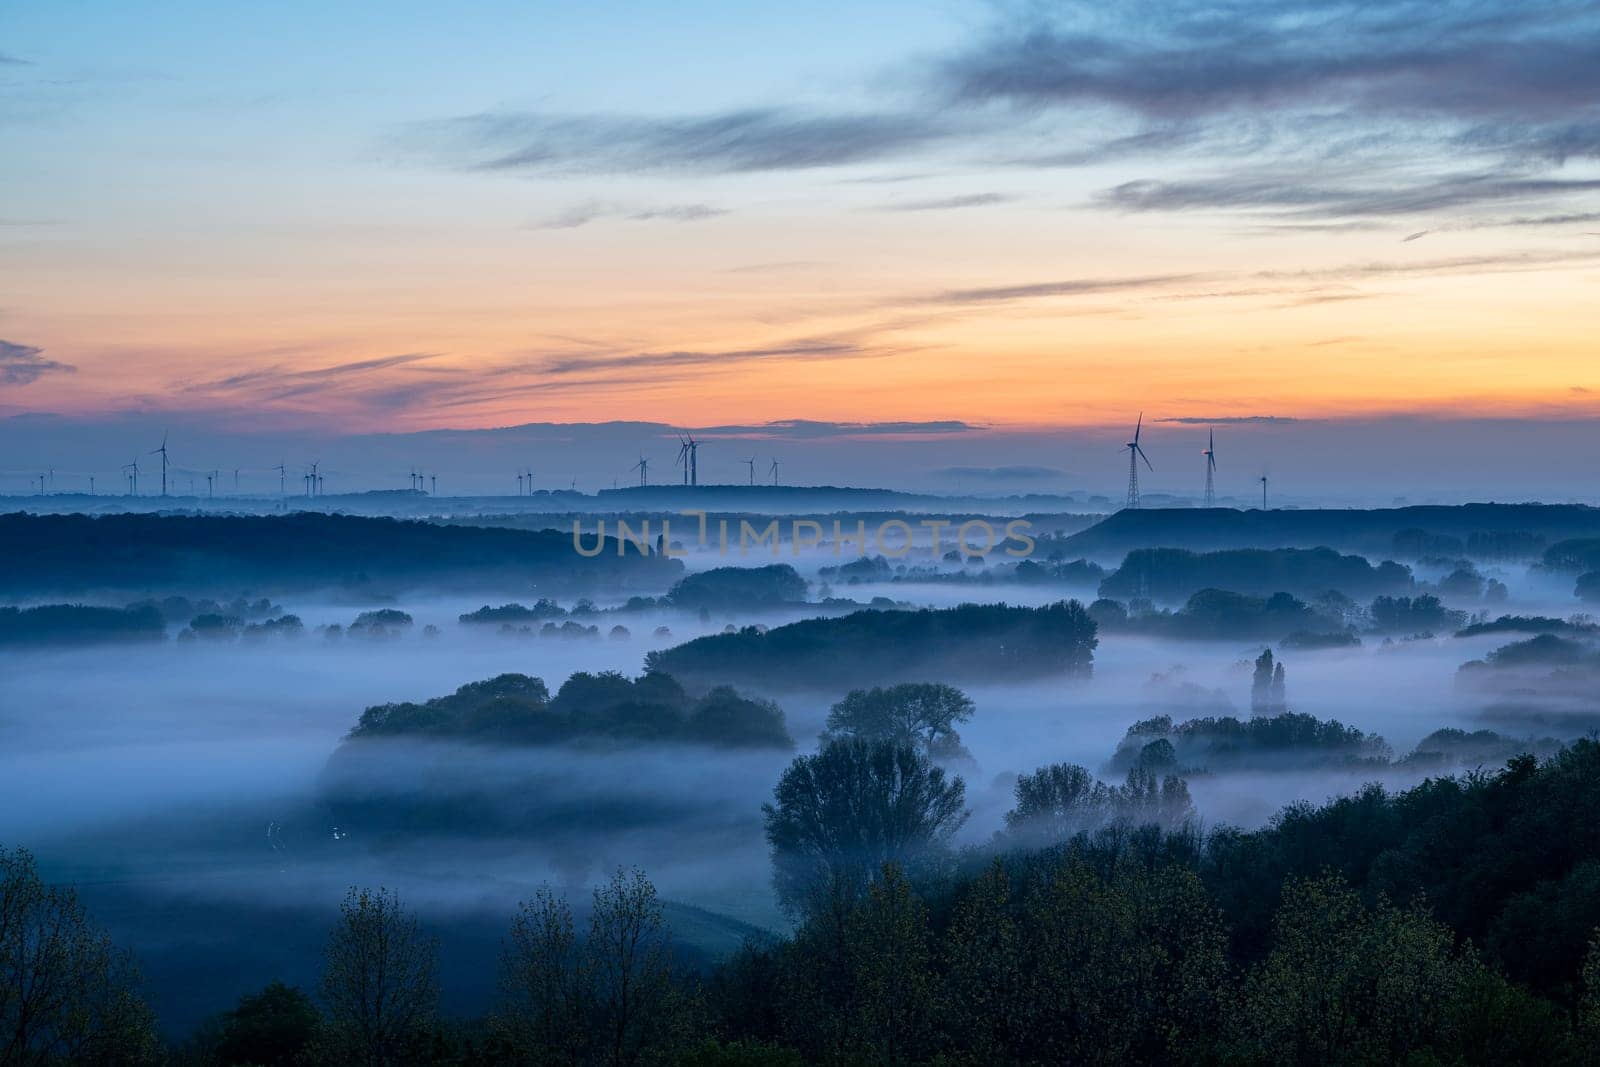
(694, 461)
(163, 451)
(1211, 470)
(683, 457)
(643, 467)
(774, 471)
(1135, 454)
(283, 480)
(751, 463)
(132, 471)
(1263, 492)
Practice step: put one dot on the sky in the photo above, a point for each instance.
(1032, 218)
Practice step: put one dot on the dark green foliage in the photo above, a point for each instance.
(608, 998)
(1054, 804)
(1579, 555)
(733, 588)
(518, 709)
(380, 983)
(1408, 615)
(70, 553)
(1227, 743)
(1524, 624)
(1546, 650)
(1174, 574)
(543, 608)
(838, 816)
(876, 647)
(272, 1028)
(1217, 614)
(67, 995)
(922, 715)
(61, 624)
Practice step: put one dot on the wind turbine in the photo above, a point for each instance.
(774, 472)
(211, 484)
(163, 451)
(283, 479)
(1263, 492)
(683, 457)
(751, 463)
(132, 471)
(694, 461)
(519, 483)
(1211, 470)
(1135, 454)
(643, 467)
(434, 482)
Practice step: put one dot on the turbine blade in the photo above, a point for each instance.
(1145, 458)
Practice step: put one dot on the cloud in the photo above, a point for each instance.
(1071, 287)
(812, 429)
(950, 203)
(280, 383)
(1183, 58)
(7, 60)
(1296, 195)
(733, 142)
(25, 364)
(594, 210)
(1228, 420)
(805, 349)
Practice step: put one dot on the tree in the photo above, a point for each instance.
(1344, 983)
(984, 986)
(1267, 691)
(380, 983)
(66, 994)
(272, 1028)
(1056, 802)
(628, 947)
(546, 984)
(920, 715)
(841, 814)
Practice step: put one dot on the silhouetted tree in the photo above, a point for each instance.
(380, 983)
(547, 984)
(66, 994)
(922, 716)
(628, 949)
(838, 816)
(272, 1028)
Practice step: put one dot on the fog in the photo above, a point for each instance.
(206, 779)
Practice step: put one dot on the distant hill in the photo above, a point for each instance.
(972, 642)
(1482, 530)
(194, 554)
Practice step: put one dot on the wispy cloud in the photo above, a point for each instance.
(646, 361)
(596, 210)
(949, 203)
(811, 429)
(281, 383)
(1227, 420)
(729, 142)
(25, 364)
(1299, 195)
(1067, 287)
(1184, 58)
